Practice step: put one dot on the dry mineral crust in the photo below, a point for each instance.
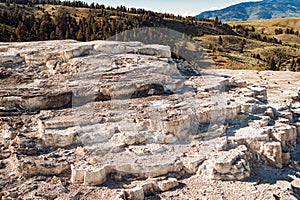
(124, 120)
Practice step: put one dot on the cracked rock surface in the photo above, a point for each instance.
(116, 120)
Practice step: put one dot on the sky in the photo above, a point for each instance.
(181, 7)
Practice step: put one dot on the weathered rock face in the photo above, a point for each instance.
(227, 165)
(108, 111)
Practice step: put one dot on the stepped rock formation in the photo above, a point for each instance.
(115, 120)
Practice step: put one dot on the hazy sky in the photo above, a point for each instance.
(182, 7)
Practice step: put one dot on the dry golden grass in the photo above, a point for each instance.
(226, 63)
(288, 38)
(228, 55)
(232, 43)
(283, 23)
(269, 26)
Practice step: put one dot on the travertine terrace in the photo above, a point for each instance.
(119, 120)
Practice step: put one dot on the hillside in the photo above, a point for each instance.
(257, 44)
(246, 45)
(28, 21)
(266, 9)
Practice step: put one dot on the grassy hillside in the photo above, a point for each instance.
(270, 25)
(267, 44)
(41, 21)
(260, 47)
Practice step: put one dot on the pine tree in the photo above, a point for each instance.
(21, 32)
(12, 38)
(216, 21)
(293, 65)
(220, 40)
(272, 64)
(80, 36)
(52, 35)
(67, 36)
(242, 45)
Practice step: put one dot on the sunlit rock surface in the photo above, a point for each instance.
(104, 111)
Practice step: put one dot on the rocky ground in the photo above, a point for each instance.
(112, 120)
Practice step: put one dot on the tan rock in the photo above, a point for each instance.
(96, 177)
(166, 185)
(77, 175)
(226, 165)
(259, 93)
(286, 134)
(155, 50)
(296, 187)
(136, 193)
(273, 153)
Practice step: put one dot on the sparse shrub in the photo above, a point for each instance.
(220, 49)
(278, 31)
(258, 57)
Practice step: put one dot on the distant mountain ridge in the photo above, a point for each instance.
(266, 9)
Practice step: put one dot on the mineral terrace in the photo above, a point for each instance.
(115, 120)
